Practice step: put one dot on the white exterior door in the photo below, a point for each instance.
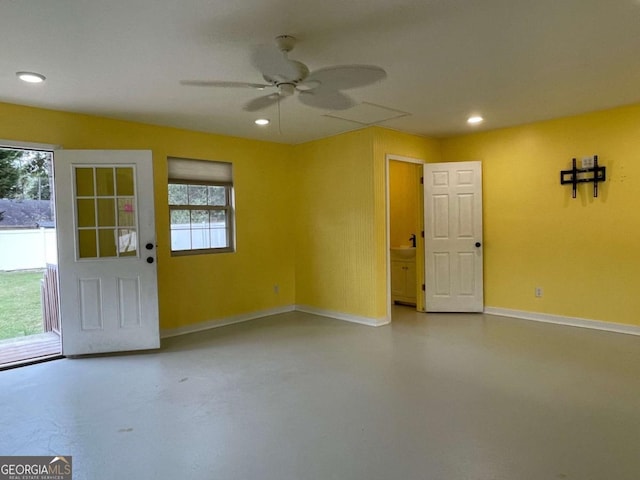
(453, 236)
(106, 250)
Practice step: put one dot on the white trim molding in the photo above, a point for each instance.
(401, 158)
(223, 322)
(561, 320)
(245, 317)
(29, 145)
(347, 317)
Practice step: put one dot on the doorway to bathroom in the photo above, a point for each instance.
(405, 221)
(441, 268)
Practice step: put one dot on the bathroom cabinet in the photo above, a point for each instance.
(403, 281)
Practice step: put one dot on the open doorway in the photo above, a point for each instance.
(29, 325)
(405, 225)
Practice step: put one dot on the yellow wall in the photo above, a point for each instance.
(334, 224)
(341, 218)
(404, 202)
(312, 217)
(584, 252)
(202, 287)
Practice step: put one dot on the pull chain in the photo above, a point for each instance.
(279, 122)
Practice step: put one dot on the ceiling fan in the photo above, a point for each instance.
(320, 89)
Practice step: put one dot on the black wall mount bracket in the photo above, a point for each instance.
(594, 175)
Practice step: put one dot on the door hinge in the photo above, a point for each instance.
(424, 288)
(422, 233)
(421, 180)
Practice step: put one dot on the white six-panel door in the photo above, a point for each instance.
(106, 251)
(453, 236)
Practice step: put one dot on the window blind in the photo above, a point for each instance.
(200, 170)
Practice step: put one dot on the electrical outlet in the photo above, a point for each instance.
(276, 289)
(588, 162)
(538, 292)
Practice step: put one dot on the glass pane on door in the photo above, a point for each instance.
(105, 217)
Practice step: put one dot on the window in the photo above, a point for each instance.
(200, 206)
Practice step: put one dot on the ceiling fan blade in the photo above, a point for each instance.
(326, 99)
(261, 102)
(215, 83)
(344, 77)
(274, 64)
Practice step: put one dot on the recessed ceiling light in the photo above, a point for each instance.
(475, 119)
(30, 77)
(262, 121)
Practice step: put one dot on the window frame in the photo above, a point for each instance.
(228, 208)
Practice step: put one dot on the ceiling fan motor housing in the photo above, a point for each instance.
(301, 72)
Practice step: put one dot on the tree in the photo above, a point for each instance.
(206, 195)
(36, 172)
(9, 172)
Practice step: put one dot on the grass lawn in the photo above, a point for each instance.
(20, 310)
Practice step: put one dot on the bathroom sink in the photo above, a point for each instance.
(403, 252)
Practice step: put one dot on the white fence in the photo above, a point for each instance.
(185, 236)
(24, 249)
(28, 248)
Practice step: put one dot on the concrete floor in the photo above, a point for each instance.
(297, 396)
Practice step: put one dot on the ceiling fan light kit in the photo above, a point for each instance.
(286, 89)
(319, 89)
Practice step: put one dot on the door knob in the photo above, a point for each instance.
(149, 259)
(478, 244)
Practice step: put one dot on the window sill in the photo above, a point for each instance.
(202, 251)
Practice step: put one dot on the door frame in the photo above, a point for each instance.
(29, 145)
(420, 273)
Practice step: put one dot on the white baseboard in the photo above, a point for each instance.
(244, 317)
(223, 322)
(560, 320)
(378, 322)
(347, 317)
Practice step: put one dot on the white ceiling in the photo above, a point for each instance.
(513, 61)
